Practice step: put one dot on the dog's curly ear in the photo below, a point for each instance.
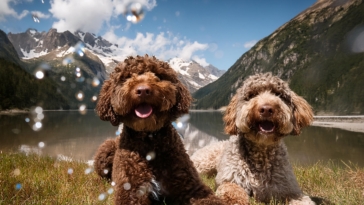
(183, 99)
(103, 108)
(230, 117)
(302, 113)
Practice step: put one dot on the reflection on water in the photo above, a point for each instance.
(74, 135)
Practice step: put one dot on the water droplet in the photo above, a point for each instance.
(41, 144)
(40, 116)
(37, 126)
(179, 124)
(63, 78)
(95, 82)
(140, 193)
(106, 171)
(16, 172)
(127, 186)
(134, 12)
(88, 170)
(201, 142)
(38, 110)
(79, 49)
(27, 119)
(35, 18)
(70, 171)
(82, 109)
(67, 60)
(18, 186)
(79, 95)
(102, 197)
(94, 98)
(39, 74)
(15, 131)
(110, 191)
(150, 156)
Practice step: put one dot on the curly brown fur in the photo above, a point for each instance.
(261, 113)
(150, 163)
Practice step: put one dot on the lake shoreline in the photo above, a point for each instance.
(354, 123)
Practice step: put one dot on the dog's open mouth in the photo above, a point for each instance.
(266, 126)
(143, 110)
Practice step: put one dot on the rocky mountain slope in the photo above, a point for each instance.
(103, 56)
(20, 89)
(320, 53)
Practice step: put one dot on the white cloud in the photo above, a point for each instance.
(163, 45)
(40, 14)
(201, 61)
(250, 44)
(6, 10)
(90, 15)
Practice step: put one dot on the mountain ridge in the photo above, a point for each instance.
(312, 53)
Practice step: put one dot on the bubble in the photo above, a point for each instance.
(67, 60)
(110, 191)
(113, 183)
(102, 197)
(37, 126)
(82, 109)
(94, 98)
(355, 39)
(35, 18)
(18, 186)
(79, 49)
(134, 12)
(70, 171)
(88, 170)
(39, 74)
(16, 172)
(41, 144)
(40, 116)
(150, 156)
(140, 193)
(95, 82)
(15, 131)
(80, 95)
(201, 142)
(38, 110)
(179, 124)
(27, 119)
(106, 171)
(63, 78)
(127, 186)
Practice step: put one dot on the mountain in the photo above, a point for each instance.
(320, 53)
(20, 89)
(193, 75)
(99, 56)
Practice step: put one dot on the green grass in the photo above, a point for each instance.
(43, 180)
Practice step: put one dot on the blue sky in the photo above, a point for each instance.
(213, 32)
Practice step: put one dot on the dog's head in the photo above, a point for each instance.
(266, 109)
(144, 94)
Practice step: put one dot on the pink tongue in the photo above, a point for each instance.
(143, 111)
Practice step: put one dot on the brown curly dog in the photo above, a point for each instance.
(148, 162)
(262, 112)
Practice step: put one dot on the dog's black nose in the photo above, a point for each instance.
(143, 90)
(266, 110)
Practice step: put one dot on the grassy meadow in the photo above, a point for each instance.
(37, 179)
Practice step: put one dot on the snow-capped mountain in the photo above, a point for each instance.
(53, 45)
(193, 75)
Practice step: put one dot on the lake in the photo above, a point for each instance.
(76, 135)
